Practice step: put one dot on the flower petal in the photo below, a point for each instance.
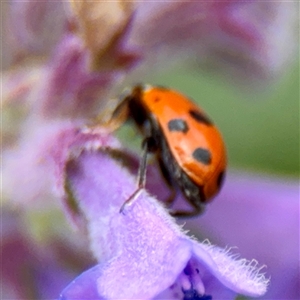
(239, 275)
(124, 256)
(69, 89)
(260, 216)
(249, 39)
(32, 28)
(142, 252)
(84, 286)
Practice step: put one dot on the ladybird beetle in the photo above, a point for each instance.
(188, 146)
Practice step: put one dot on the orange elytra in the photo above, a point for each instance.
(188, 146)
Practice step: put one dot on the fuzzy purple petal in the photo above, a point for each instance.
(132, 243)
(260, 216)
(143, 253)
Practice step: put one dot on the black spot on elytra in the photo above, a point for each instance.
(220, 179)
(178, 125)
(156, 100)
(202, 155)
(200, 117)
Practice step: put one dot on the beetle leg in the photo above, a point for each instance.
(148, 145)
(185, 213)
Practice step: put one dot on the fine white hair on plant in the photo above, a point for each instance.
(244, 274)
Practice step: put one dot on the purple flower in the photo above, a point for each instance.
(143, 253)
(49, 155)
(266, 212)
